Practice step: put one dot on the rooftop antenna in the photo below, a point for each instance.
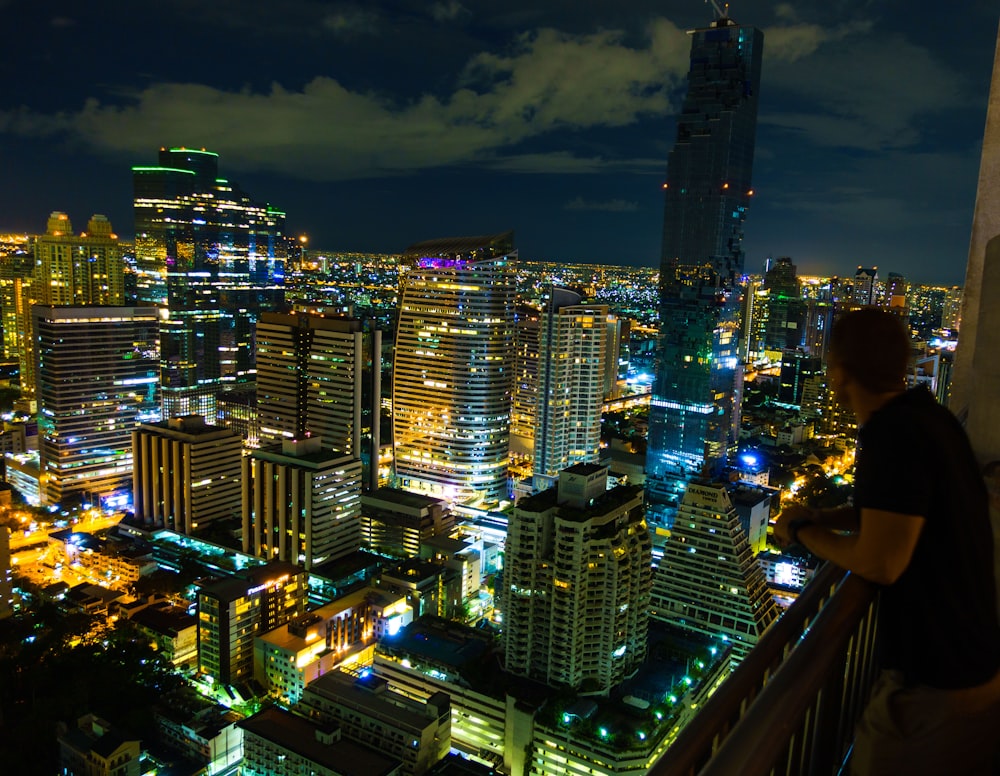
(721, 14)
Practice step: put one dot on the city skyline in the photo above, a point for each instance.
(377, 126)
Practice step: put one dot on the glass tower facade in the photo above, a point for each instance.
(694, 413)
(213, 260)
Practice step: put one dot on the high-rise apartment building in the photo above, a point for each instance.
(320, 376)
(694, 412)
(708, 580)
(232, 612)
(571, 385)
(301, 503)
(79, 269)
(453, 370)
(865, 279)
(577, 583)
(524, 418)
(16, 277)
(213, 259)
(186, 474)
(96, 377)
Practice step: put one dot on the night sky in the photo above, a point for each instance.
(378, 124)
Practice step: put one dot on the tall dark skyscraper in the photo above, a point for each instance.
(212, 259)
(694, 415)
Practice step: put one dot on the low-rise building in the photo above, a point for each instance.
(171, 631)
(279, 743)
(418, 733)
(340, 633)
(93, 748)
(210, 736)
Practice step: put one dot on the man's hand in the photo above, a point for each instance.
(791, 517)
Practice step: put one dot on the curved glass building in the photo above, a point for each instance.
(453, 370)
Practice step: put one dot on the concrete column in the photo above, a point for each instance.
(985, 226)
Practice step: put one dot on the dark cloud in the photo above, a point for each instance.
(610, 206)
(449, 11)
(351, 21)
(549, 81)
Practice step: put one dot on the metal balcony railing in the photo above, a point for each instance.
(791, 705)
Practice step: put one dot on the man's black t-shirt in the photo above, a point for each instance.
(938, 621)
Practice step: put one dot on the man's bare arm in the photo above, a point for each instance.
(880, 551)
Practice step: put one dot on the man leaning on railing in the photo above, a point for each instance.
(919, 526)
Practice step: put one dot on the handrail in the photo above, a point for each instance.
(763, 734)
(706, 733)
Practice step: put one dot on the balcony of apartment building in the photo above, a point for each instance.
(791, 705)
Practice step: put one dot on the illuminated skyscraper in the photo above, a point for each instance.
(453, 370)
(577, 582)
(694, 412)
(213, 259)
(320, 376)
(97, 374)
(571, 385)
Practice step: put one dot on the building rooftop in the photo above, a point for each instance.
(370, 694)
(440, 641)
(236, 587)
(168, 621)
(300, 736)
(608, 501)
(404, 498)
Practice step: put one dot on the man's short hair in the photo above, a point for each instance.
(873, 347)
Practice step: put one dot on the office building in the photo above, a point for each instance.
(708, 580)
(577, 583)
(213, 259)
(785, 307)
(84, 269)
(232, 612)
(320, 376)
(796, 368)
(279, 742)
(301, 503)
(237, 410)
(97, 376)
(6, 576)
(571, 385)
(394, 522)
(367, 710)
(694, 411)
(186, 474)
(453, 370)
